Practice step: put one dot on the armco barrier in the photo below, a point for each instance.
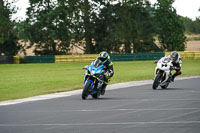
(187, 54)
(75, 58)
(91, 57)
(16, 60)
(40, 59)
(197, 55)
(136, 56)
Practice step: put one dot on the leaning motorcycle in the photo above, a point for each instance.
(93, 80)
(163, 73)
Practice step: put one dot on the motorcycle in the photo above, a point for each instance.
(93, 80)
(163, 73)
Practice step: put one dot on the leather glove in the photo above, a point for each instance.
(174, 68)
(107, 74)
(171, 67)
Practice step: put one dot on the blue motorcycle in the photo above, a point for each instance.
(93, 80)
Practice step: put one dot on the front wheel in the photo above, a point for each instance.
(157, 81)
(86, 89)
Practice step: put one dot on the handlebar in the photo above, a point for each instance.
(85, 67)
(96, 77)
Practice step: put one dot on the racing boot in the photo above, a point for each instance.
(103, 89)
(178, 72)
(173, 77)
(169, 79)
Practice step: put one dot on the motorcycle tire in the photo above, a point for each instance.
(156, 81)
(97, 95)
(86, 88)
(165, 86)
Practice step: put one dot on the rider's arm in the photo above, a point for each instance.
(180, 62)
(111, 71)
(109, 66)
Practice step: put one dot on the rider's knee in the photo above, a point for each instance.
(178, 72)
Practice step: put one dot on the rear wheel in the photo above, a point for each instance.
(86, 89)
(97, 95)
(157, 81)
(165, 86)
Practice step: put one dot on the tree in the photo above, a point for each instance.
(196, 26)
(50, 25)
(89, 10)
(170, 27)
(134, 26)
(8, 39)
(191, 26)
(104, 27)
(87, 25)
(188, 24)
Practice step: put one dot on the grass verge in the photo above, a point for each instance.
(25, 80)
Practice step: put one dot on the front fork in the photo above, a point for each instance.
(165, 75)
(92, 80)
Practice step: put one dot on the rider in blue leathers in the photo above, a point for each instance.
(108, 67)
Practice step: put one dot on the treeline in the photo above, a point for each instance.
(118, 26)
(8, 36)
(191, 26)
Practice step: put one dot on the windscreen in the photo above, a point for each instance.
(97, 63)
(166, 59)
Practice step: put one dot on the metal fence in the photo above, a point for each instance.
(39, 59)
(137, 56)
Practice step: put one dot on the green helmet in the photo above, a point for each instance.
(103, 56)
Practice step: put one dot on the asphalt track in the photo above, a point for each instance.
(136, 109)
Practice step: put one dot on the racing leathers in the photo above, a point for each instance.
(177, 67)
(109, 72)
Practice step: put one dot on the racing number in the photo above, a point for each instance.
(164, 65)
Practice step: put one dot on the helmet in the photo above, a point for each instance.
(174, 56)
(103, 56)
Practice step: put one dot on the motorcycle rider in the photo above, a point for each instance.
(176, 62)
(108, 67)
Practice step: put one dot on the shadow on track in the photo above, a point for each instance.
(172, 89)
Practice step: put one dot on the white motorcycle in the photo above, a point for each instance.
(163, 73)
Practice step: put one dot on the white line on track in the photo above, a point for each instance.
(176, 116)
(77, 92)
(90, 124)
(110, 110)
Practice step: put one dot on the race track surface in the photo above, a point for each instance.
(137, 109)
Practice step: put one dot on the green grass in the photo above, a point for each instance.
(25, 80)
